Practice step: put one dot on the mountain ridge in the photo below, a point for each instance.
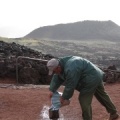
(78, 31)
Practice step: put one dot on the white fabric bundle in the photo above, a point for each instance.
(55, 101)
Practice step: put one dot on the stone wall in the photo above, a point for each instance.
(31, 66)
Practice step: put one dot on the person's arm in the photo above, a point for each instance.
(72, 79)
(55, 83)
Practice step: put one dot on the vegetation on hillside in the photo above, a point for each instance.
(101, 52)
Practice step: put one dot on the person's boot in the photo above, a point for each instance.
(114, 116)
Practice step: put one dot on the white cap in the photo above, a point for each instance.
(52, 64)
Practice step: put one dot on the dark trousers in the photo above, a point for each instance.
(86, 99)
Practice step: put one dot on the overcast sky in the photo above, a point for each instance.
(19, 17)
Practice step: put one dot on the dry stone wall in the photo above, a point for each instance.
(29, 71)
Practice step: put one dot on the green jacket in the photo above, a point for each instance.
(78, 74)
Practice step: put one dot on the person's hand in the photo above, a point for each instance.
(64, 102)
(50, 94)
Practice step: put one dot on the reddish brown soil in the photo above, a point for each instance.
(26, 102)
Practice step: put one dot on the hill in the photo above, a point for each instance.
(85, 30)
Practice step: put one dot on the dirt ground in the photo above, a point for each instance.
(31, 102)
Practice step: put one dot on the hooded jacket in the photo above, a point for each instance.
(77, 74)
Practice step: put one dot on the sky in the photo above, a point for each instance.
(20, 17)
